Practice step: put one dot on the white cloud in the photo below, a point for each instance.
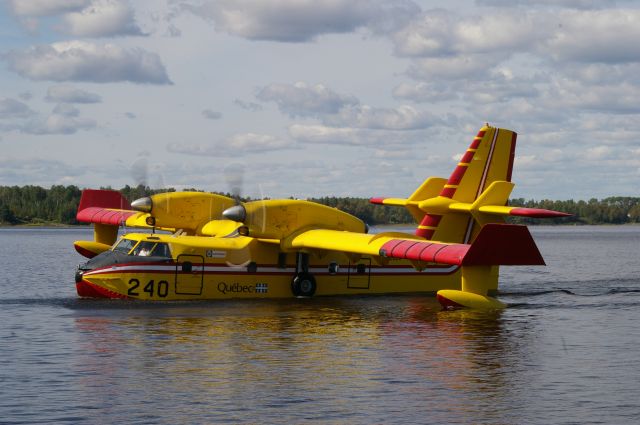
(443, 33)
(102, 18)
(301, 20)
(454, 67)
(329, 135)
(68, 94)
(239, 144)
(84, 61)
(598, 153)
(577, 4)
(18, 170)
(322, 134)
(12, 108)
(64, 119)
(252, 142)
(609, 36)
(301, 99)
(619, 97)
(425, 92)
(45, 7)
(401, 118)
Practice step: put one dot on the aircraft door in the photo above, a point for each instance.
(359, 274)
(189, 274)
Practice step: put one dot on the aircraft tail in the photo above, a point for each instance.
(454, 209)
(488, 159)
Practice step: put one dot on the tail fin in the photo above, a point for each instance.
(475, 194)
(488, 159)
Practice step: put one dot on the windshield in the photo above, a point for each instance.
(151, 249)
(124, 246)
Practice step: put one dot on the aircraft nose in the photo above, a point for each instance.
(142, 204)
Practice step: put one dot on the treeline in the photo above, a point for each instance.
(36, 205)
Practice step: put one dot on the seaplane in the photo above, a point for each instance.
(205, 246)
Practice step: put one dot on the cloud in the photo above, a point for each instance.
(337, 110)
(597, 153)
(608, 36)
(70, 94)
(301, 99)
(245, 143)
(576, 4)
(45, 7)
(211, 115)
(425, 92)
(84, 61)
(442, 33)
(64, 119)
(12, 108)
(301, 20)
(400, 118)
(248, 106)
(102, 18)
(454, 67)
(322, 134)
(567, 35)
(17, 171)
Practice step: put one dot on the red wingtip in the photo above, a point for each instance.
(378, 201)
(537, 213)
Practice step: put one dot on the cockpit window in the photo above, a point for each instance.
(151, 249)
(124, 246)
(143, 249)
(161, 250)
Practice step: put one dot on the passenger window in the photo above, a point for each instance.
(124, 246)
(143, 249)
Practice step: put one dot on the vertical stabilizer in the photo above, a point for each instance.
(489, 158)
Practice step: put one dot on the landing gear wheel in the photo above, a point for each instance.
(303, 285)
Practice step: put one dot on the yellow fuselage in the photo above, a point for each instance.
(243, 267)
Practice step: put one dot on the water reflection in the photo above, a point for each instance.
(397, 357)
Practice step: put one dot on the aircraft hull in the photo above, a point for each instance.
(166, 282)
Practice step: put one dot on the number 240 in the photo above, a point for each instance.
(162, 288)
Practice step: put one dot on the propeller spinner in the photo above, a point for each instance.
(142, 204)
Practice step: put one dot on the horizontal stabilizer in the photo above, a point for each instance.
(496, 244)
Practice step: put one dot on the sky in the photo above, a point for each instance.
(310, 98)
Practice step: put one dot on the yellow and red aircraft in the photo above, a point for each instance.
(213, 247)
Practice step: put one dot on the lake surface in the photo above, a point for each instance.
(566, 351)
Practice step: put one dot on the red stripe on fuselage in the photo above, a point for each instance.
(91, 290)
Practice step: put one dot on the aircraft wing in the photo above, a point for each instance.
(496, 244)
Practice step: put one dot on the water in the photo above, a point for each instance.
(564, 352)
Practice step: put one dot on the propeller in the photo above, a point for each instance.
(234, 176)
(139, 171)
